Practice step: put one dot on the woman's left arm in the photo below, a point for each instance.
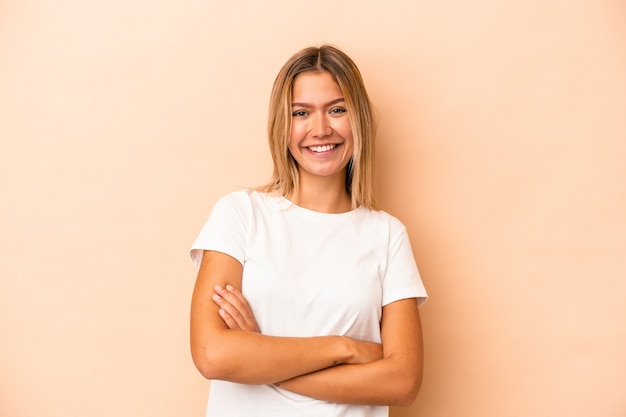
(393, 380)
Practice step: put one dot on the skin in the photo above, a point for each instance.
(225, 339)
(394, 379)
(252, 358)
(320, 121)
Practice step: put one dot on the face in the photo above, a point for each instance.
(321, 136)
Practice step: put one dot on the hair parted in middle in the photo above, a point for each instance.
(360, 175)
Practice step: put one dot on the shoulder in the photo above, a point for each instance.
(235, 197)
(382, 219)
(242, 198)
(247, 202)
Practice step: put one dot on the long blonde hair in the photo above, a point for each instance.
(360, 171)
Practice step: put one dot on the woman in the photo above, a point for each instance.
(306, 301)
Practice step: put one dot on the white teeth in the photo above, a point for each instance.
(324, 148)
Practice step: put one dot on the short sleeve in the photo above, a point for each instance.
(402, 279)
(225, 230)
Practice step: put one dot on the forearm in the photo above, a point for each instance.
(383, 382)
(253, 358)
(249, 357)
(393, 380)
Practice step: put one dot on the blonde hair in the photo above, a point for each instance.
(360, 170)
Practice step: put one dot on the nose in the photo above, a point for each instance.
(320, 127)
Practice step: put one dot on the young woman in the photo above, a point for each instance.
(306, 301)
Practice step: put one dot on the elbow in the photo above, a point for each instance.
(405, 398)
(406, 391)
(209, 364)
(206, 370)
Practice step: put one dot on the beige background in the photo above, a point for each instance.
(501, 146)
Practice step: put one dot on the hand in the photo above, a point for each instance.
(234, 309)
(365, 352)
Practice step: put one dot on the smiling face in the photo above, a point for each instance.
(321, 136)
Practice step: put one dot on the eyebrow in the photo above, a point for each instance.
(330, 103)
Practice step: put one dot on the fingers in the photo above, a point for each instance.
(228, 312)
(234, 309)
(228, 319)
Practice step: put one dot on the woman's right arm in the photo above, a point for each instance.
(253, 358)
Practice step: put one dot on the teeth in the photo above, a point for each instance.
(324, 148)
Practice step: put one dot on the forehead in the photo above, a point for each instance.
(312, 85)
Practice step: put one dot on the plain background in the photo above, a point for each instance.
(501, 147)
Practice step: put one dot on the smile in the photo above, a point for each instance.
(322, 148)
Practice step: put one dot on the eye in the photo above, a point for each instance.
(299, 113)
(337, 110)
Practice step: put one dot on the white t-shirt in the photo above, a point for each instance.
(307, 273)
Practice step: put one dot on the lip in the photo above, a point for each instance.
(310, 151)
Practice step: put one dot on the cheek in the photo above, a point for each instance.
(345, 130)
(296, 132)
(293, 138)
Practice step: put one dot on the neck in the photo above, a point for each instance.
(325, 195)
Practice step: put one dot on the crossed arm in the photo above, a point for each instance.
(226, 345)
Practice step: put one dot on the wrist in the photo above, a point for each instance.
(349, 351)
